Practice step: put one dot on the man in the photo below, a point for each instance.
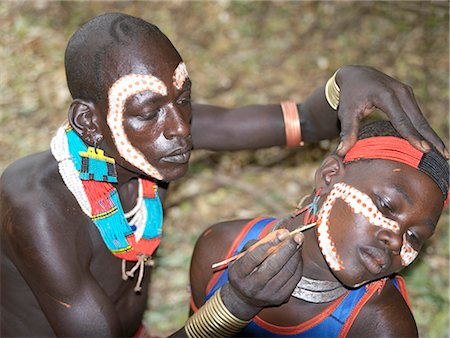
(74, 217)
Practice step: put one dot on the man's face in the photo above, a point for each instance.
(369, 247)
(149, 116)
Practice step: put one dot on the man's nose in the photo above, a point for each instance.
(392, 240)
(177, 124)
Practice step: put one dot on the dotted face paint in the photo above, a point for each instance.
(361, 204)
(407, 253)
(180, 76)
(120, 91)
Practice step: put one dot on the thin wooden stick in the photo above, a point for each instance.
(231, 259)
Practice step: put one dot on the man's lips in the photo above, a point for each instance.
(178, 156)
(373, 259)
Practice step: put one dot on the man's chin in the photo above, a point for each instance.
(173, 174)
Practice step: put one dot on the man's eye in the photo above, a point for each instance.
(148, 115)
(184, 100)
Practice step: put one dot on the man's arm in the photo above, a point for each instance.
(362, 89)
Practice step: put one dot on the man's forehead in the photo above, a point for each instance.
(169, 76)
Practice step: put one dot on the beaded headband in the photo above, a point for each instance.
(397, 149)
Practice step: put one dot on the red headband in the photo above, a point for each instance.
(397, 149)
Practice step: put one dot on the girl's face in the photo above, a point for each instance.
(375, 221)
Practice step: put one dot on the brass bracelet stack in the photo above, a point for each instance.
(292, 125)
(332, 92)
(213, 319)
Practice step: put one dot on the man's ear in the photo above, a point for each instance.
(84, 117)
(330, 172)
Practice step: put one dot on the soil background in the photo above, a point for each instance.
(238, 53)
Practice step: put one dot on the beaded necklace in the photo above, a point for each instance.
(89, 175)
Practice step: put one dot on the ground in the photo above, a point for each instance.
(239, 53)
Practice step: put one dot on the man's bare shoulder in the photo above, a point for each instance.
(34, 202)
(31, 174)
(386, 314)
(31, 183)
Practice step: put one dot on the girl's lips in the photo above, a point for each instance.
(373, 259)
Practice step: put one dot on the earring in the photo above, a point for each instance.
(310, 209)
(97, 140)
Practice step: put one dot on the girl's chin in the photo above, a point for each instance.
(350, 281)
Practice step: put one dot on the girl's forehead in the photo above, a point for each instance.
(396, 181)
(379, 171)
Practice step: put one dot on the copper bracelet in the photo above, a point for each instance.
(292, 125)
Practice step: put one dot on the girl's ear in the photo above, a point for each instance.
(330, 172)
(84, 118)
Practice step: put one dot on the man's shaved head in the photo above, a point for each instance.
(108, 47)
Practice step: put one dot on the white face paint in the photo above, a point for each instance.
(361, 204)
(407, 253)
(119, 92)
(180, 75)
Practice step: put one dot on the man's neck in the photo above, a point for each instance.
(127, 187)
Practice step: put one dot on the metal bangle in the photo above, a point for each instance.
(332, 92)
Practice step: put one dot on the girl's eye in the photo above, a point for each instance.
(385, 205)
(412, 238)
(410, 235)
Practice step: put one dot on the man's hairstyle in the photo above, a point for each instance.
(92, 48)
(432, 163)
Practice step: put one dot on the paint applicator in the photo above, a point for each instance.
(225, 262)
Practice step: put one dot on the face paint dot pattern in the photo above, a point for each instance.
(326, 244)
(407, 253)
(180, 76)
(362, 204)
(119, 92)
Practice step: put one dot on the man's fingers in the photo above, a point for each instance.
(256, 254)
(278, 263)
(349, 130)
(249, 244)
(288, 277)
(422, 126)
(391, 106)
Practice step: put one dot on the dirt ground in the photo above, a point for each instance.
(239, 53)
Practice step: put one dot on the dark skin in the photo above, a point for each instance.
(387, 183)
(58, 277)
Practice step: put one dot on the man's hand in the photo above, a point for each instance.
(265, 276)
(362, 89)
